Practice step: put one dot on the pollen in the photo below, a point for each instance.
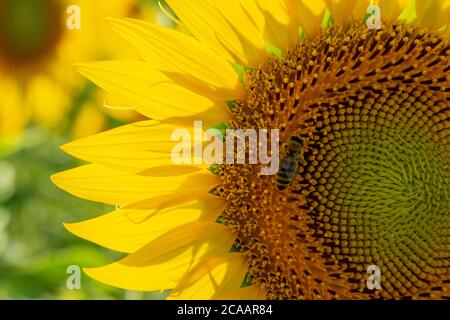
(373, 109)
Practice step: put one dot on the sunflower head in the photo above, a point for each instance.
(364, 110)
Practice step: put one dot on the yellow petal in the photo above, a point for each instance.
(94, 40)
(444, 17)
(391, 9)
(133, 147)
(89, 121)
(251, 8)
(14, 113)
(244, 19)
(49, 100)
(280, 28)
(102, 184)
(408, 15)
(217, 274)
(128, 230)
(115, 108)
(448, 26)
(184, 59)
(429, 13)
(360, 9)
(342, 10)
(164, 262)
(152, 93)
(220, 31)
(309, 14)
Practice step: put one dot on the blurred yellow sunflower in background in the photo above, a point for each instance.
(371, 106)
(39, 41)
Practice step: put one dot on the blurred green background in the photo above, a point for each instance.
(35, 249)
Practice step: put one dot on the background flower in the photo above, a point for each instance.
(43, 104)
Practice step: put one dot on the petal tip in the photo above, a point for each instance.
(70, 227)
(91, 272)
(70, 148)
(56, 179)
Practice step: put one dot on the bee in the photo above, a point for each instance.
(289, 165)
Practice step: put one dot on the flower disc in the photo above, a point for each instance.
(373, 109)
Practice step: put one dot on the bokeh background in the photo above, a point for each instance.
(35, 249)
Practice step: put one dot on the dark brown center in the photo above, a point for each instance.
(373, 109)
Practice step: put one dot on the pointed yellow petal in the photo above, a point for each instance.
(448, 27)
(102, 184)
(164, 262)
(444, 16)
(309, 14)
(244, 21)
(360, 9)
(343, 10)
(220, 30)
(133, 147)
(408, 15)
(391, 9)
(429, 13)
(217, 274)
(128, 230)
(280, 28)
(151, 92)
(184, 59)
(252, 10)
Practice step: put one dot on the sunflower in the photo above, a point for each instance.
(39, 40)
(371, 106)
